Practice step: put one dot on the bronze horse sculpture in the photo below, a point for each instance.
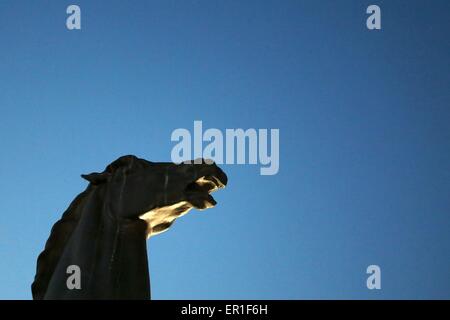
(104, 230)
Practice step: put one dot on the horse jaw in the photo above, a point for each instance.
(160, 219)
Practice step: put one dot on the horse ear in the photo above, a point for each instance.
(96, 178)
(125, 162)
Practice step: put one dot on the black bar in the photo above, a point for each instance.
(229, 309)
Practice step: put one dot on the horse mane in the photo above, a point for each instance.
(54, 247)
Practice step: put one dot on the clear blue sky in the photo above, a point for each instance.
(364, 138)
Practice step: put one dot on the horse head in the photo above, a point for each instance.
(157, 193)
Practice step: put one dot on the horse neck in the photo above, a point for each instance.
(110, 252)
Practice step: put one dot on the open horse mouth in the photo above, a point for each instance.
(198, 196)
